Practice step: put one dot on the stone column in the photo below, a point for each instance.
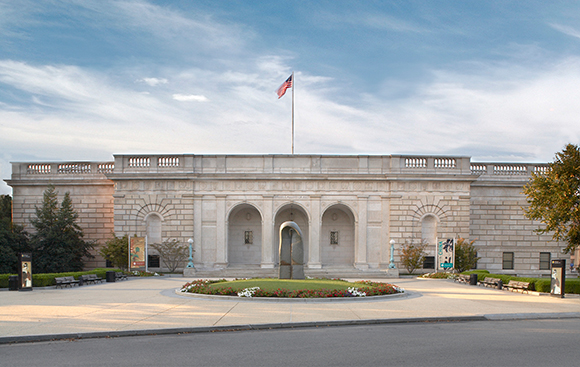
(221, 236)
(267, 233)
(360, 253)
(197, 230)
(314, 240)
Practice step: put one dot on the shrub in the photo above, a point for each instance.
(116, 250)
(413, 255)
(465, 255)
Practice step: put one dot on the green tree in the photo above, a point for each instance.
(6, 207)
(116, 250)
(413, 255)
(13, 238)
(58, 245)
(465, 255)
(172, 252)
(554, 198)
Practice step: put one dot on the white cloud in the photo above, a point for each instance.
(189, 97)
(153, 82)
(566, 30)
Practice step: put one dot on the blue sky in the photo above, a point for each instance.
(82, 80)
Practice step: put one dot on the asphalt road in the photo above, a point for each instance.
(476, 343)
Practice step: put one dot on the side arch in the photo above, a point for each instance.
(337, 236)
(244, 238)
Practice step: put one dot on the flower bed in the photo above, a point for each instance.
(359, 289)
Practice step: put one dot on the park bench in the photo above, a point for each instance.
(120, 276)
(517, 286)
(91, 278)
(490, 282)
(65, 281)
(462, 278)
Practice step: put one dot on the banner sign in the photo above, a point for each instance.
(558, 281)
(25, 271)
(445, 254)
(137, 252)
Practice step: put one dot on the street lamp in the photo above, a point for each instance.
(392, 260)
(190, 263)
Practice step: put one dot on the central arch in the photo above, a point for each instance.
(295, 213)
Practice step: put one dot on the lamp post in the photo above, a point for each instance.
(190, 263)
(392, 260)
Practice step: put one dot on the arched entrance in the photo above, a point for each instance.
(337, 236)
(295, 213)
(244, 236)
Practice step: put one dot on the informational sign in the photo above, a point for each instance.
(445, 254)
(25, 271)
(137, 252)
(558, 283)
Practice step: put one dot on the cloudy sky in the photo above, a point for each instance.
(83, 80)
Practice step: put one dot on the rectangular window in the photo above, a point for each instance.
(334, 237)
(248, 237)
(153, 261)
(545, 259)
(429, 262)
(508, 260)
(108, 264)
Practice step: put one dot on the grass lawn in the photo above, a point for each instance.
(290, 284)
(290, 288)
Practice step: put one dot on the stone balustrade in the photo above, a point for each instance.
(80, 170)
(264, 164)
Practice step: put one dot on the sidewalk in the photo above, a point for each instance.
(151, 306)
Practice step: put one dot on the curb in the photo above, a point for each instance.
(282, 300)
(290, 325)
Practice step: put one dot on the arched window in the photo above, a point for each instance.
(153, 222)
(429, 229)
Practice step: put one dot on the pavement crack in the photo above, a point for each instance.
(225, 314)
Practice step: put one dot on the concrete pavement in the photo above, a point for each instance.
(150, 306)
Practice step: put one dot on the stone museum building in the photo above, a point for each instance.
(349, 208)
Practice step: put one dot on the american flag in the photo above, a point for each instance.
(287, 84)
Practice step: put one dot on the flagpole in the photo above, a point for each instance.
(293, 81)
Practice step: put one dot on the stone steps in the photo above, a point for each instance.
(240, 272)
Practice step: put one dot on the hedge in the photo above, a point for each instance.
(537, 284)
(47, 279)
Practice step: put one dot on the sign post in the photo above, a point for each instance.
(25, 271)
(137, 253)
(558, 283)
(446, 254)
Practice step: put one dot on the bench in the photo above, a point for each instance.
(120, 276)
(65, 281)
(462, 278)
(517, 286)
(91, 278)
(490, 282)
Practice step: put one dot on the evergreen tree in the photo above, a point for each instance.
(13, 238)
(58, 244)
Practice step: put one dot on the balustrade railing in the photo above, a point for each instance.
(273, 164)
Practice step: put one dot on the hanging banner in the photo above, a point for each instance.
(25, 271)
(445, 254)
(137, 253)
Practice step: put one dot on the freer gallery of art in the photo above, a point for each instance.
(349, 208)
